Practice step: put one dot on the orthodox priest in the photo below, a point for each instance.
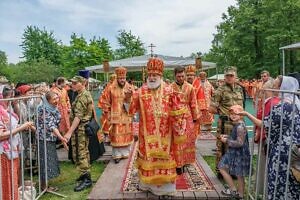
(112, 105)
(184, 114)
(155, 161)
(106, 127)
(205, 93)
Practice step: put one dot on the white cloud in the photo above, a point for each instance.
(176, 27)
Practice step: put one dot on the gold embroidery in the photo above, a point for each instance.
(179, 112)
(157, 179)
(152, 165)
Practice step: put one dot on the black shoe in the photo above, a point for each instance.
(179, 170)
(86, 182)
(117, 160)
(80, 177)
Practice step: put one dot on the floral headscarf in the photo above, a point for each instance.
(290, 84)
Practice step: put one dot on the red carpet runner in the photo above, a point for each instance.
(194, 179)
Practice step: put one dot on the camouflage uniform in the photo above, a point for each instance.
(82, 107)
(225, 97)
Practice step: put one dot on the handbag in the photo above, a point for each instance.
(96, 148)
(92, 127)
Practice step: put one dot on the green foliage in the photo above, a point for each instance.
(252, 32)
(40, 44)
(3, 58)
(34, 72)
(168, 74)
(81, 54)
(130, 45)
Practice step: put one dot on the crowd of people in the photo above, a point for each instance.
(171, 116)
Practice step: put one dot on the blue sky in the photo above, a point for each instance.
(176, 27)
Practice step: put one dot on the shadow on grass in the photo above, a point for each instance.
(66, 181)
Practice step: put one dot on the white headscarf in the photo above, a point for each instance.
(290, 84)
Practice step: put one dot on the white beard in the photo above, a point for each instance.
(154, 85)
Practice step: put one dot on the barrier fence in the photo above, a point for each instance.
(25, 172)
(270, 174)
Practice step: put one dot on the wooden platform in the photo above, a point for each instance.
(109, 185)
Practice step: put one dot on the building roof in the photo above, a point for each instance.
(138, 62)
(291, 46)
(217, 77)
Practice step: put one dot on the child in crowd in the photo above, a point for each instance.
(236, 160)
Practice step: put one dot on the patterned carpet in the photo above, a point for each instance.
(194, 179)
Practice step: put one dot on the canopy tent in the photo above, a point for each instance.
(291, 47)
(92, 80)
(137, 63)
(216, 77)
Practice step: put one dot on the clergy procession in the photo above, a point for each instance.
(154, 132)
(150, 100)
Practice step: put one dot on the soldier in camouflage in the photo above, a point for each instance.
(81, 114)
(224, 97)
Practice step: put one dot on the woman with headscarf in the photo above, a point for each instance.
(10, 147)
(47, 133)
(283, 124)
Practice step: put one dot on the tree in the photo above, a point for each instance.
(36, 71)
(82, 54)
(38, 44)
(3, 58)
(130, 45)
(252, 32)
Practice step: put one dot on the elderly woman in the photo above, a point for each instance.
(283, 124)
(10, 142)
(47, 133)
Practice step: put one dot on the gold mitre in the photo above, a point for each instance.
(121, 72)
(155, 66)
(191, 69)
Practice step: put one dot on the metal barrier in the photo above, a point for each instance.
(270, 176)
(29, 173)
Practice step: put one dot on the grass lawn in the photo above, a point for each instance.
(66, 181)
(211, 161)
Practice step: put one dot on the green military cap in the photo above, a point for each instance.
(78, 79)
(230, 70)
(3, 79)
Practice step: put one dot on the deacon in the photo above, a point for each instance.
(106, 127)
(205, 93)
(155, 161)
(192, 79)
(184, 113)
(112, 105)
